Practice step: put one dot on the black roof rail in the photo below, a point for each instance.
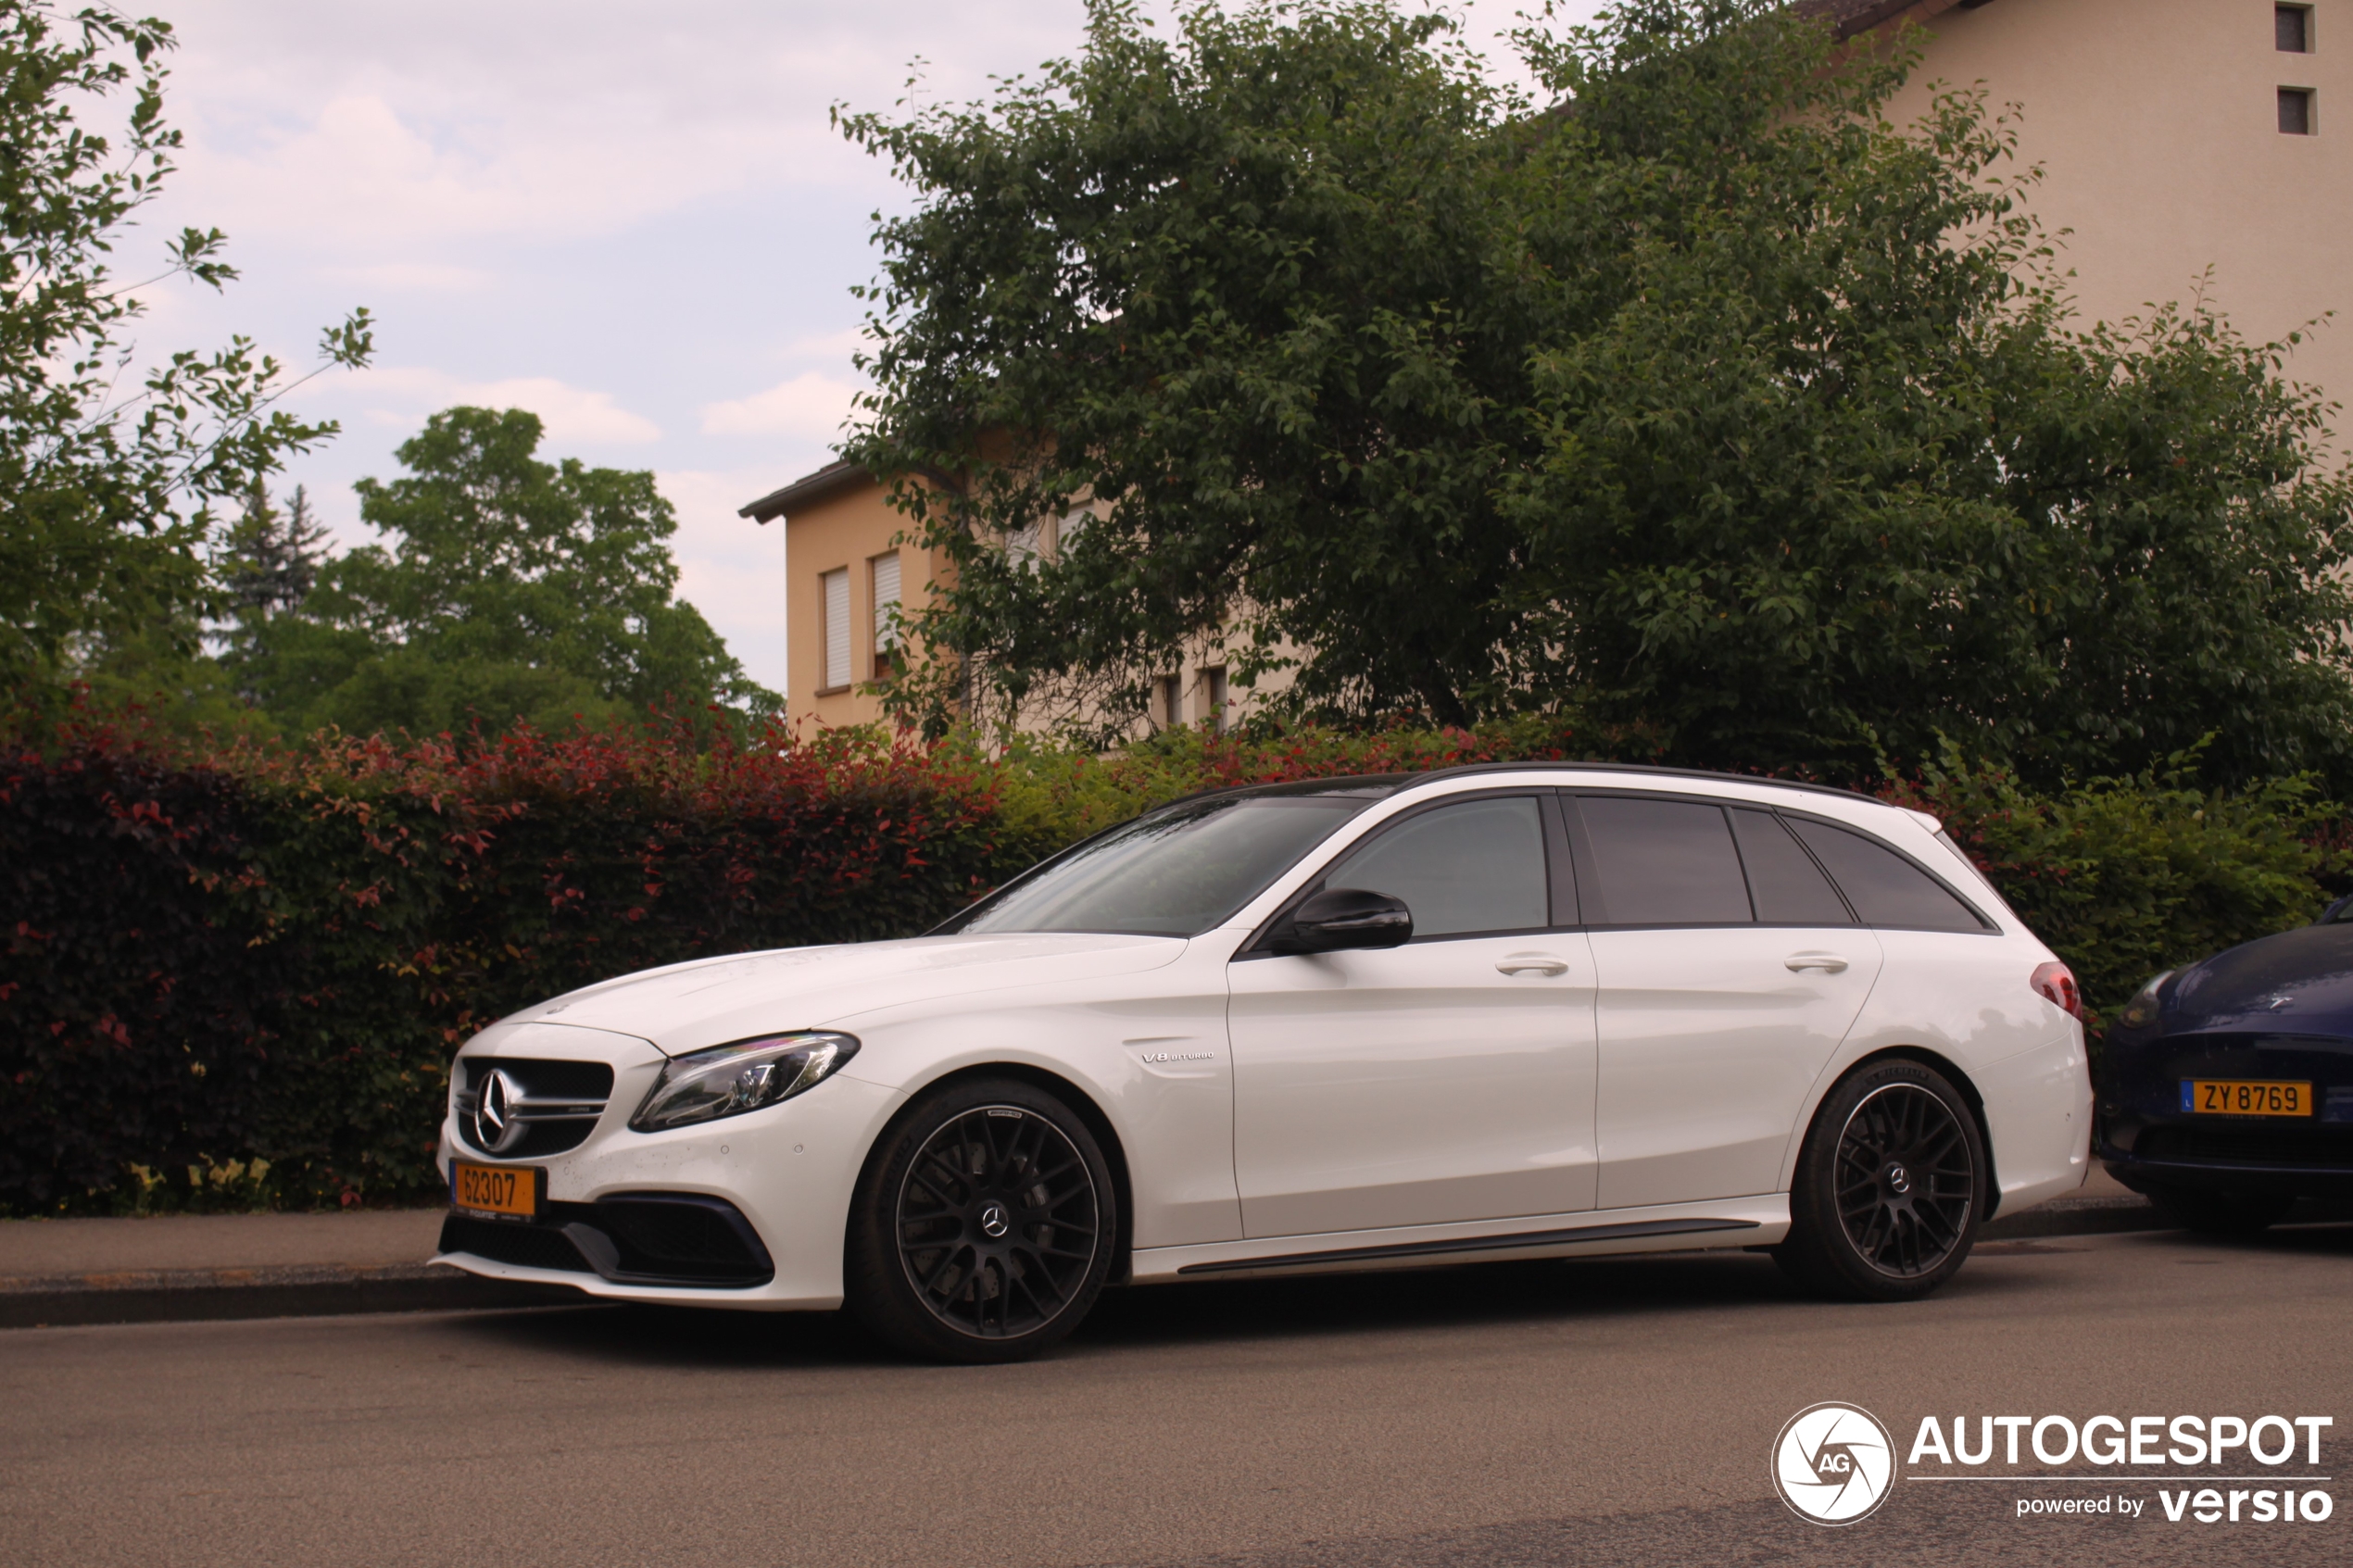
(1651, 770)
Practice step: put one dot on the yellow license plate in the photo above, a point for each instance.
(2246, 1096)
(507, 1190)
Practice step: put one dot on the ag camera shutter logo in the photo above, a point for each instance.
(1833, 1463)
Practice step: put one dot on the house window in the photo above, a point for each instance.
(1026, 543)
(1172, 700)
(834, 593)
(1213, 699)
(885, 569)
(2292, 29)
(2295, 112)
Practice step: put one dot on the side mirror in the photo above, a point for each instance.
(1346, 917)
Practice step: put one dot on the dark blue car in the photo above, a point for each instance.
(2226, 1087)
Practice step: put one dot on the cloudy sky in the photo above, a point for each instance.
(633, 220)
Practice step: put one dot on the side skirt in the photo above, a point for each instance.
(1477, 1243)
(1746, 1222)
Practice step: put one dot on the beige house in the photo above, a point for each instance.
(2187, 144)
(849, 565)
(846, 569)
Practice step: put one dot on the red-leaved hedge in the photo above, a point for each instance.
(272, 953)
(211, 956)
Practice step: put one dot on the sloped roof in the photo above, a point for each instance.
(1850, 17)
(837, 475)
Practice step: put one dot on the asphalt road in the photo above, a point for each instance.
(1592, 1413)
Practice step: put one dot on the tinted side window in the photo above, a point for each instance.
(1885, 888)
(1663, 862)
(1788, 886)
(1478, 866)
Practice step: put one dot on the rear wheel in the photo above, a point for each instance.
(1889, 1187)
(2221, 1214)
(983, 1226)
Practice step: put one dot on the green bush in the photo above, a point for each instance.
(271, 954)
(1049, 793)
(2125, 877)
(235, 978)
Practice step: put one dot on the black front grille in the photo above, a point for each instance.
(2298, 1147)
(634, 1238)
(568, 1097)
(557, 1080)
(526, 1246)
(541, 1138)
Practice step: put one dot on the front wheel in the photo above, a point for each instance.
(1889, 1188)
(983, 1226)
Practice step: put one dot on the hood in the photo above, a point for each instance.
(2299, 982)
(691, 1005)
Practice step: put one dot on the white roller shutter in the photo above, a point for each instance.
(837, 595)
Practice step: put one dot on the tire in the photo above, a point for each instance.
(2221, 1214)
(1890, 1186)
(983, 1226)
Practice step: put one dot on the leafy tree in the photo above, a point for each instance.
(506, 587)
(108, 475)
(1705, 402)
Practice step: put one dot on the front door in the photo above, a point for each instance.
(1447, 1080)
(1728, 971)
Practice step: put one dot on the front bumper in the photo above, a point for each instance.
(684, 1240)
(2149, 1143)
(748, 1212)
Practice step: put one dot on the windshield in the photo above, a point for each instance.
(1176, 873)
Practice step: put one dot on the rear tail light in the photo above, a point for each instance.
(2056, 983)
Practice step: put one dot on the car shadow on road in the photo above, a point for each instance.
(1228, 1311)
(1461, 1297)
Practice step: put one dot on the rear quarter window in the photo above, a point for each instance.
(1788, 888)
(1884, 887)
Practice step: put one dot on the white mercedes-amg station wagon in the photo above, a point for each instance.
(1497, 1012)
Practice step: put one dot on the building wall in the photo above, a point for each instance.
(2156, 123)
(844, 530)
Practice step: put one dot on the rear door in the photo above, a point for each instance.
(1729, 969)
(1450, 1079)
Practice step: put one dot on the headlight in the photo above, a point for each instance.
(2141, 1011)
(730, 1080)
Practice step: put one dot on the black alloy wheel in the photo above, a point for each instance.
(997, 1223)
(984, 1228)
(1905, 1182)
(1889, 1188)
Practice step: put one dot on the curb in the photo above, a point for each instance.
(323, 1290)
(306, 1290)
